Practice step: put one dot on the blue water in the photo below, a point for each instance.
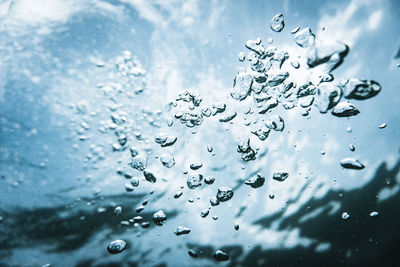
(60, 178)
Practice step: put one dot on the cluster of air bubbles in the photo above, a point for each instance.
(269, 82)
(190, 112)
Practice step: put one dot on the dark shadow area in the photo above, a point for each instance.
(69, 227)
(360, 241)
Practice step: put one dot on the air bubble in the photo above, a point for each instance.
(280, 176)
(351, 163)
(159, 218)
(225, 193)
(181, 230)
(257, 181)
(219, 255)
(116, 246)
(277, 23)
(345, 216)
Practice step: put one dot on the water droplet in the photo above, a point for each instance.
(236, 226)
(181, 230)
(345, 216)
(257, 181)
(159, 218)
(149, 176)
(271, 196)
(194, 180)
(219, 255)
(352, 147)
(225, 193)
(215, 217)
(167, 160)
(345, 109)
(277, 23)
(116, 246)
(351, 163)
(280, 176)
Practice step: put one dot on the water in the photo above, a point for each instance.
(105, 113)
